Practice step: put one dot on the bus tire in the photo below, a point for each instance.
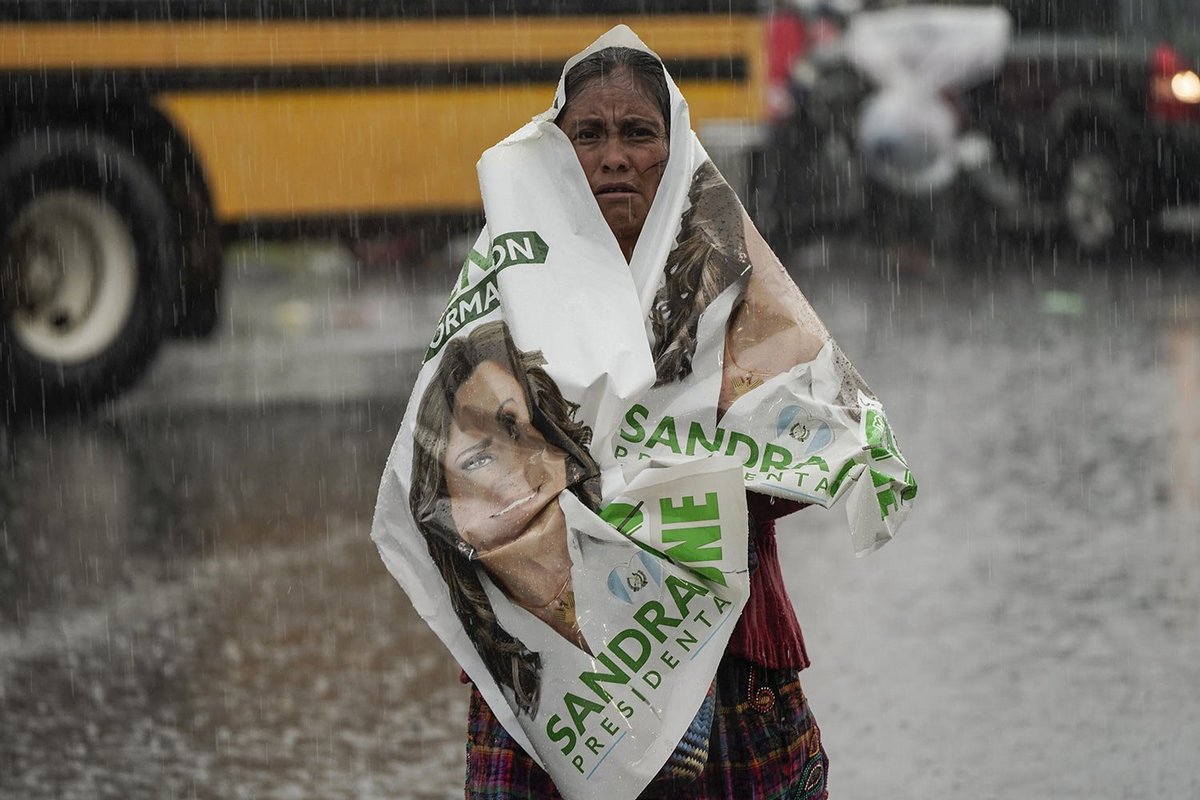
(196, 303)
(85, 254)
(200, 315)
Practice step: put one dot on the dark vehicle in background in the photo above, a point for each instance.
(1098, 110)
(1094, 117)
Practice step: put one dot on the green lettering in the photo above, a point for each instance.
(624, 517)
(491, 296)
(660, 619)
(519, 247)
(874, 425)
(664, 434)
(816, 461)
(637, 432)
(682, 592)
(479, 259)
(558, 732)
(687, 638)
(840, 477)
(776, 457)
(735, 439)
(709, 573)
(592, 680)
(887, 498)
(471, 307)
(880, 437)
(478, 302)
(579, 708)
(688, 511)
(696, 434)
(633, 661)
(693, 543)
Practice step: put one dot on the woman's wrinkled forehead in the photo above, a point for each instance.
(620, 77)
(646, 78)
(622, 80)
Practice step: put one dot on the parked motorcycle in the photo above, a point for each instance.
(883, 131)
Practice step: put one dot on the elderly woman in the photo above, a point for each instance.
(763, 741)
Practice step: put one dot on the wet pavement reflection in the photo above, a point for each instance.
(190, 605)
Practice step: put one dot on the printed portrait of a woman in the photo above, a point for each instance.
(494, 445)
(771, 329)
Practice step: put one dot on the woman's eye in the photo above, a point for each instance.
(476, 461)
(511, 427)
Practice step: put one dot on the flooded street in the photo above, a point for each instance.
(190, 605)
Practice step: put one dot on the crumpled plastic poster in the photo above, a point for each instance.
(565, 500)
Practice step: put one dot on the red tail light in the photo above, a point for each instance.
(1174, 87)
(787, 41)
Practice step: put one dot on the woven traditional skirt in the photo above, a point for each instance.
(764, 745)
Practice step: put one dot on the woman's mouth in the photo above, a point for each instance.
(517, 503)
(619, 189)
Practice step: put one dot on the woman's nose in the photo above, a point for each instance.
(613, 156)
(520, 461)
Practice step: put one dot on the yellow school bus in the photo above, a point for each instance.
(137, 135)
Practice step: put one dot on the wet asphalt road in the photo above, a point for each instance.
(190, 605)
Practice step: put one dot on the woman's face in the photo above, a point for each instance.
(620, 137)
(500, 472)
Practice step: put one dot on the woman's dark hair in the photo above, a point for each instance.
(646, 69)
(508, 661)
(709, 256)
